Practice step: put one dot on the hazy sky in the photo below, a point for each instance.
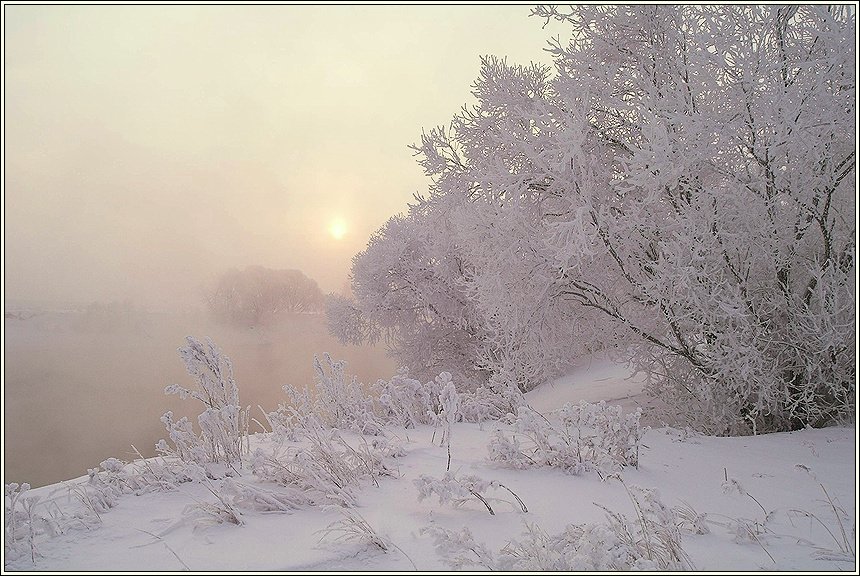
(148, 148)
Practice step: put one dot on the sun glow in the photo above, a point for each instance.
(337, 228)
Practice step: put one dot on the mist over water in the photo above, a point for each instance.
(81, 387)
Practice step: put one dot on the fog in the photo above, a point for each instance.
(148, 149)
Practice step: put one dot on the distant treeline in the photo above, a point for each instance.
(261, 296)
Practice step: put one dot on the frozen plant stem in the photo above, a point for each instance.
(519, 500)
(847, 543)
(166, 545)
(759, 505)
(755, 537)
(448, 467)
(481, 498)
(639, 514)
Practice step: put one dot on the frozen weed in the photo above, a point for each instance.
(691, 520)
(223, 423)
(449, 400)
(654, 536)
(651, 541)
(588, 437)
(286, 499)
(328, 470)
(352, 527)
(406, 402)
(460, 549)
(221, 511)
(843, 541)
(19, 521)
(457, 491)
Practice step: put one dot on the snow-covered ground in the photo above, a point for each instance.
(774, 502)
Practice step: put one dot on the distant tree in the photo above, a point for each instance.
(258, 295)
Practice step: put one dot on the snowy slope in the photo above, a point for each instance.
(773, 514)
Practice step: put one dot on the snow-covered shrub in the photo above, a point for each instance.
(114, 478)
(456, 491)
(105, 485)
(287, 421)
(577, 548)
(654, 537)
(27, 517)
(187, 445)
(328, 470)
(223, 424)
(460, 549)
(147, 474)
(587, 436)
(449, 399)
(103, 488)
(406, 402)
(221, 511)
(615, 436)
(353, 527)
(650, 542)
(341, 403)
(691, 520)
(336, 401)
(20, 523)
(285, 499)
(486, 404)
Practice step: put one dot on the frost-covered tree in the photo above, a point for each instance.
(680, 187)
(408, 287)
(347, 322)
(683, 180)
(416, 285)
(258, 295)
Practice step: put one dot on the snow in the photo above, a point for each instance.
(781, 498)
(592, 381)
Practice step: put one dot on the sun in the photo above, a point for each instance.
(337, 228)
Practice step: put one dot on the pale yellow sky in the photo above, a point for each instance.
(148, 148)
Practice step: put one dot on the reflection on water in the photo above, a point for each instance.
(78, 392)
